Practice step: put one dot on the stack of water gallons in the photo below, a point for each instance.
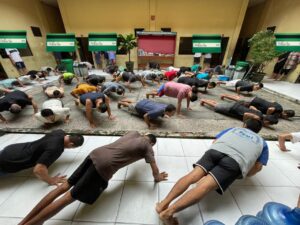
(272, 214)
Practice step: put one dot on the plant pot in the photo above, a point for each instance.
(256, 77)
(129, 66)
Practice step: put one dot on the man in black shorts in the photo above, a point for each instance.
(95, 100)
(129, 78)
(39, 154)
(239, 111)
(15, 101)
(242, 86)
(95, 80)
(91, 178)
(196, 83)
(266, 107)
(236, 153)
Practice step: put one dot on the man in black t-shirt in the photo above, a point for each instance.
(247, 86)
(96, 100)
(129, 78)
(39, 154)
(15, 101)
(95, 80)
(196, 83)
(239, 111)
(266, 107)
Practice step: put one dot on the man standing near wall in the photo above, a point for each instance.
(16, 60)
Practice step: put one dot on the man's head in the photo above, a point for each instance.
(193, 96)
(170, 110)
(270, 120)
(101, 106)
(258, 86)
(151, 138)
(120, 91)
(195, 89)
(287, 113)
(73, 140)
(15, 109)
(56, 94)
(211, 85)
(33, 76)
(48, 114)
(252, 124)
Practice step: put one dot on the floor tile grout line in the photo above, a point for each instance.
(236, 202)
(123, 188)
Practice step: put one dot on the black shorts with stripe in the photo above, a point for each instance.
(221, 167)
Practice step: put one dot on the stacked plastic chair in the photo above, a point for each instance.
(272, 214)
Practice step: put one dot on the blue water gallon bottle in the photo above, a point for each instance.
(279, 214)
(251, 220)
(214, 222)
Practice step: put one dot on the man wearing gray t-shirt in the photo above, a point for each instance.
(236, 153)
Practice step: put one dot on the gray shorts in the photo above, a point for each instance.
(132, 110)
(224, 108)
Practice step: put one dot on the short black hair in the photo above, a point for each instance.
(178, 74)
(170, 108)
(103, 108)
(76, 139)
(15, 109)
(261, 85)
(194, 97)
(48, 69)
(195, 89)
(120, 91)
(47, 112)
(213, 84)
(289, 112)
(152, 138)
(32, 76)
(56, 93)
(273, 119)
(254, 125)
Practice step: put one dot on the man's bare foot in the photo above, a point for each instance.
(119, 105)
(168, 219)
(160, 207)
(202, 103)
(76, 102)
(222, 97)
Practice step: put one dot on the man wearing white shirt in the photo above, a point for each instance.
(53, 111)
(16, 60)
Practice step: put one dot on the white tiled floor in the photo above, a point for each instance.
(132, 194)
(283, 87)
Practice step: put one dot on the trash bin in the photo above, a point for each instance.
(240, 69)
(229, 71)
(84, 72)
(68, 63)
(76, 69)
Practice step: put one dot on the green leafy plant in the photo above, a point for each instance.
(262, 49)
(127, 43)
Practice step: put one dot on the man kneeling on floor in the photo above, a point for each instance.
(39, 154)
(91, 178)
(149, 110)
(236, 153)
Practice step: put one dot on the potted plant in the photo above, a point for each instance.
(262, 51)
(126, 44)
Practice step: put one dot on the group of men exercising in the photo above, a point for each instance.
(236, 152)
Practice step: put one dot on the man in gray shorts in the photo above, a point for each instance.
(236, 153)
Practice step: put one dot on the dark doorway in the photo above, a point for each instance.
(3, 74)
(241, 50)
(85, 54)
